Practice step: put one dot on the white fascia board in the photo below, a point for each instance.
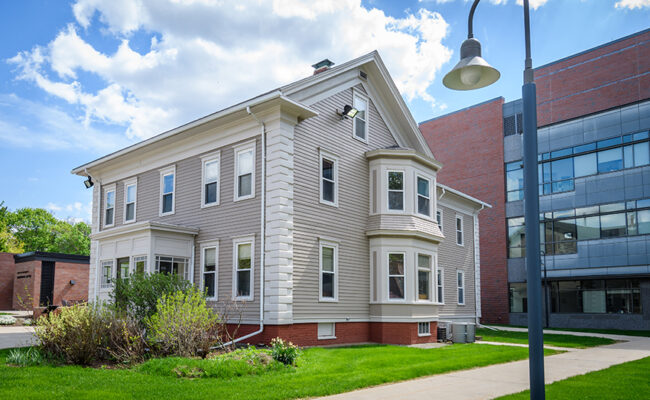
(144, 226)
(479, 204)
(289, 105)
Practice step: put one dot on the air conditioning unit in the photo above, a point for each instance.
(463, 332)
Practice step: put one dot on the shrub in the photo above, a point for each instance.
(138, 295)
(7, 320)
(86, 334)
(25, 357)
(76, 334)
(248, 361)
(284, 352)
(183, 325)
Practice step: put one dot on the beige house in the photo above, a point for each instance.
(327, 228)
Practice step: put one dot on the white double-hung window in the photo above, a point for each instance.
(167, 190)
(424, 277)
(245, 171)
(109, 206)
(460, 277)
(210, 184)
(360, 122)
(107, 274)
(440, 294)
(209, 275)
(130, 199)
(243, 269)
(396, 276)
(328, 271)
(395, 190)
(459, 230)
(329, 179)
(424, 196)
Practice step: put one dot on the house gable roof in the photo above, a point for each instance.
(296, 97)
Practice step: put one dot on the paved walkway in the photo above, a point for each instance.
(498, 380)
(16, 336)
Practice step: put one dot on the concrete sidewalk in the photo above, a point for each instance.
(16, 336)
(498, 380)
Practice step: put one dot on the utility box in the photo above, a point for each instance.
(463, 332)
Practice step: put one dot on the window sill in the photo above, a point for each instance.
(326, 337)
(424, 334)
(329, 203)
(250, 298)
(326, 300)
(128, 222)
(252, 196)
(209, 205)
(167, 213)
(362, 140)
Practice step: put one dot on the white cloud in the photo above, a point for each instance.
(533, 4)
(53, 207)
(207, 54)
(73, 212)
(632, 4)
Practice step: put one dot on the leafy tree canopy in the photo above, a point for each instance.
(36, 229)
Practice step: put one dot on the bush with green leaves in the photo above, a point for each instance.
(25, 357)
(284, 352)
(183, 325)
(240, 362)
(87, 334)
(138, 295)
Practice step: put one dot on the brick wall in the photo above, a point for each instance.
(345, 332)
(469, 143)
(6, 281)
(27, 284)
(63, 274)
(606, 77)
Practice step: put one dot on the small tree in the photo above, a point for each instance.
(183, 325)
(138, 294)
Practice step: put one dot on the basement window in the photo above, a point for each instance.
(326, 330)
(424, 328)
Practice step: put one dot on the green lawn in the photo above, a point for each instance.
(572, 341)
(605, 331)
(624, 381)
(320, 372)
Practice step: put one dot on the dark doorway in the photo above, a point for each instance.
(47, 283)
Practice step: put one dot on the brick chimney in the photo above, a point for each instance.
(322, 66)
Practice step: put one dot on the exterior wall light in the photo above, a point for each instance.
(348, 112)
(89, 182)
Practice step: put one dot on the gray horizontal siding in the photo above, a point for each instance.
(347, 223)
(452, 257)
(223, 222)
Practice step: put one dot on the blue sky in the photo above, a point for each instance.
(82, 78)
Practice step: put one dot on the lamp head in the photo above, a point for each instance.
(472, 71)
(349, 111)
(89, 182)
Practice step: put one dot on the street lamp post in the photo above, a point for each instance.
(472, 72)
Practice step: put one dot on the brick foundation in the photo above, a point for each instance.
(306, 335)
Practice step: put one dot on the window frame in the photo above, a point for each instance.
(459, 287)
(320, 328)
(388, 275)
(357, 94)
(417, 196)
(171, 170)
(459, 217)
(208, 158)
(430, 270)
(207, 246)
(440, 284)
(236, 242)
(127, 184)
(427, 330)
(186, 261)
(138, 258)
(109, 189)
(106, 284)
(440, 223)
(242, 148)
(325, 155)
(333, 245)
(388, 190)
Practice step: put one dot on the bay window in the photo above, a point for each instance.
(396, 276)
(396, 190)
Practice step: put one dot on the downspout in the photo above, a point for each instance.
(262, 233)
(477, 268)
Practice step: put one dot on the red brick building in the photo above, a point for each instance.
(582, 100)
(37, 279)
